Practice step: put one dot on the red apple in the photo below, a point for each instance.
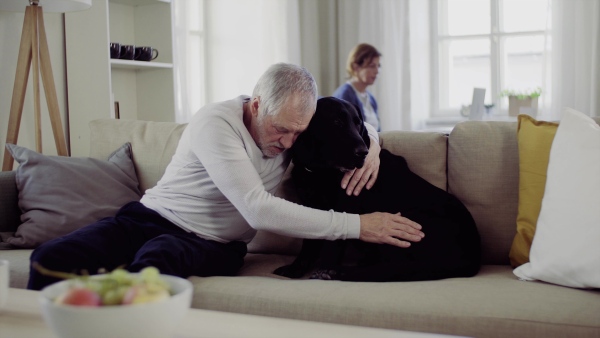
(80, 296)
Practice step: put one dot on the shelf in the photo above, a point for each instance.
(130, 64)
(138, 2)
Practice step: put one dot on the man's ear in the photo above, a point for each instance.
(254, 106)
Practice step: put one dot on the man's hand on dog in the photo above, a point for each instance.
(386, 228)
(354, 181)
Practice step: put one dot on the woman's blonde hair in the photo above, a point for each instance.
(359, 55)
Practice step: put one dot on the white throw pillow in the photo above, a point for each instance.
(565, 248)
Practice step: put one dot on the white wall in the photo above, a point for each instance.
(11, 24)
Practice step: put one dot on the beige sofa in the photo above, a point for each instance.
(478, 162)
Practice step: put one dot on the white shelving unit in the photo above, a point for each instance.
(144, 90)
(137, 65)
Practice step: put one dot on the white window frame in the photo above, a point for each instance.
(496, 36)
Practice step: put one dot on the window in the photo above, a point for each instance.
(491, 44)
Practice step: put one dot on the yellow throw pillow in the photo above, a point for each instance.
(535, 140)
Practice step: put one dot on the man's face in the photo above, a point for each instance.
(276, 133)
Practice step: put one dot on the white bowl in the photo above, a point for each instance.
(156, 319)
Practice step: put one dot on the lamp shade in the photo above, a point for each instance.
(59, 6)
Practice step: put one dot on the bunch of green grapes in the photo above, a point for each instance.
(113, 288)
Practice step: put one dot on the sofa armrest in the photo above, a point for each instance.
(9, 198)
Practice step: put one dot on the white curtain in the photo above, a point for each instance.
(383, 24)
(575, 57)
(223, 46)
(188, 43)
(420, 63)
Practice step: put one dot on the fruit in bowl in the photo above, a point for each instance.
(116, 304)
(118, 287)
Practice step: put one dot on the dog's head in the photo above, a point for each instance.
(335, 138)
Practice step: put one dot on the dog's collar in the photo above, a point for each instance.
(343, 170)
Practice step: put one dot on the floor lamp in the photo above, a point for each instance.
(34, 53)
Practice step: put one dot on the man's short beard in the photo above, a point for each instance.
(265, 148)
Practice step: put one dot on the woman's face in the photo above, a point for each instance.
(367, 72)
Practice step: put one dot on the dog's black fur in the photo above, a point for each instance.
(336, 141)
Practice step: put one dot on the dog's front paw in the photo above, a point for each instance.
(289, 271)
(325, 274)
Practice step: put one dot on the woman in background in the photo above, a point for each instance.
(362, 68)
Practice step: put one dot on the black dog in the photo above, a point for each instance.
(337, 141)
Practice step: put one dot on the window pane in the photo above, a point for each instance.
(524, 15)
(464, 17)
(523, 62)
(464, 65)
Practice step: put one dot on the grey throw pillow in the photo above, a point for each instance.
(60, 194)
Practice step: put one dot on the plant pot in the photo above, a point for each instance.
(528, 106)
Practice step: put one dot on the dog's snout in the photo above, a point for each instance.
(361, 153)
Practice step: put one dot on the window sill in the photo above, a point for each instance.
(446, 124)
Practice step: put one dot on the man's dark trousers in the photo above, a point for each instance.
(135, 238)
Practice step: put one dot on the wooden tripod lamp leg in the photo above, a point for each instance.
(20, 86)
(50, 89)
(33, 40)
(35, 65)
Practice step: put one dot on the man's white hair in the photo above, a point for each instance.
(282, 81)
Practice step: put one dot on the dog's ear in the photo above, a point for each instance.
(303, 149)
(365, 135)
(361, 129)
(357, 110)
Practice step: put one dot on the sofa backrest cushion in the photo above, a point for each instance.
(483, 172)
(425, 153)
(153, 144)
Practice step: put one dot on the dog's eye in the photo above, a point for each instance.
(338, 123)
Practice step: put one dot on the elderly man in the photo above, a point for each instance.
(217, 192)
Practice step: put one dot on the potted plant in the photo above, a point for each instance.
(522, 102)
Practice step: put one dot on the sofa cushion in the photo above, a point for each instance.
(535, 139)
(59, 194)
(425, 153)
(483, 172)
(492, 304)
(153, 144)
(18, 265)
(565, 246)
